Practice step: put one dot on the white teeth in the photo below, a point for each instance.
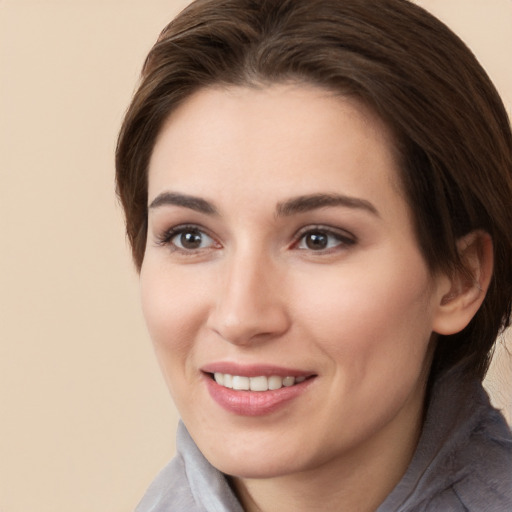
(260, 383)
(275, 382)
(240, 383)
(288, 381)
(228, 381)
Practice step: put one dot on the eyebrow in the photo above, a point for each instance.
(295, 205)
(311, 202)
(193, 203)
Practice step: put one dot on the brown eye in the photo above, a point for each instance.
(324, 240)
(190, 239)
(316, 241)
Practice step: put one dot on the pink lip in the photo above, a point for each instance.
(254, 403)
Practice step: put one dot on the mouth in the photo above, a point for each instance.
(255, 395)
(255, 390)
(258, 383)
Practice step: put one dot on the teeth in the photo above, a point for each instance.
(240, 383)
(288, 381)
(275, 382)
(228, 381)
(260, 383)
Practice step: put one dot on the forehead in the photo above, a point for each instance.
(298, 137)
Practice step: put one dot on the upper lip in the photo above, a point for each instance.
(254, 370)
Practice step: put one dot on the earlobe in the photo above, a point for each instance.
(465, 290)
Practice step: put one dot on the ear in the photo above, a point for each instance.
(462, 294)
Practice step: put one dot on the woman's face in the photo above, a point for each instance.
(281, 255)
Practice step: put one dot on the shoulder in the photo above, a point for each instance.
(477, 466)
(487, 484)
(463, 462)
(170, 490)
(189, 483)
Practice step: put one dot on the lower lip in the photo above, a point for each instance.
(254, 403)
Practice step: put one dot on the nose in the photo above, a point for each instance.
(250, 305)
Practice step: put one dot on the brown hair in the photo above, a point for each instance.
(451, 128)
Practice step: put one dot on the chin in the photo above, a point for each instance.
(253, 469)
(257, 460)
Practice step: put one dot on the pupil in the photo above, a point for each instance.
(316, 241)
(191, 240)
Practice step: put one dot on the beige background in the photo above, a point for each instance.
(85, 420)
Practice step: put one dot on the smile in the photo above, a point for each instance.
(259, 383)
(257, 395)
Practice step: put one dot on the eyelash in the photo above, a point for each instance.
(166, 238)
(343, 239)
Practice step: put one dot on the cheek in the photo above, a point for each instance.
(373, 315)
(174, 312)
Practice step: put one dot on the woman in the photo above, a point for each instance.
(317, 195)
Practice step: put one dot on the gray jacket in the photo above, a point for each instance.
(463, 462)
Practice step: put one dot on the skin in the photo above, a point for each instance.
(359, 314)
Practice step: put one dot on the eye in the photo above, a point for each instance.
(321, 239)
(187, 238)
